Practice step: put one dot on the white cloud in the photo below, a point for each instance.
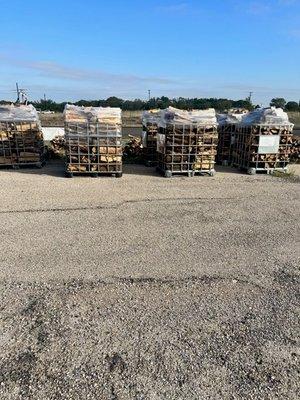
(51, 69)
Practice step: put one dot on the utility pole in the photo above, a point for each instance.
(250, 96)
(45, 97)
(18, 93)
(149, 94)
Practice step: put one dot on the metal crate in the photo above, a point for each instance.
(226, 138)
(187, 149)
(93, 149)
(150, 131)
(21, 143)
(262, 147)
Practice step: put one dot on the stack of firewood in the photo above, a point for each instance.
(133, 150)
(21, 138)
(263, 141)
(228, 124)
(295, 149)
(58, 145)
(187, 141)
(93, 140)
(150, 120)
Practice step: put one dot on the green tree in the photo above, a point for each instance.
(278, 102)
(292, 106)
(114, 102)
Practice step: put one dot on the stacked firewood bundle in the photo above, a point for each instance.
(187, 142)
(93, 140)
(21, 138)
(58, 144)
(150, 120)
(227, 126)
(295, 149)
(133, 150)
(263, 141)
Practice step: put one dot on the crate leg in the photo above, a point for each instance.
(212, 172)
(68, 174)
(119, 174)
(168, 174)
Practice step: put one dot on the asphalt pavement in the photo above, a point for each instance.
(149, 288)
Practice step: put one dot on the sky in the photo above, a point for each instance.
(71, 49)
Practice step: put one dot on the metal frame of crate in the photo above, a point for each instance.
(226, 137)
(187, 149)
(21, 143)
(150, 144)
(245, 150)
(93, 149)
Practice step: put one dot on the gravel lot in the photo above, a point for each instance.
(149, 288)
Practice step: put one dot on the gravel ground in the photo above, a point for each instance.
(148, 288)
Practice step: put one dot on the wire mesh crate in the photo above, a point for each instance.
(149, 138)
(226, 135)
(93, 149)
(187, 149)
(262, 147)
(21, 143)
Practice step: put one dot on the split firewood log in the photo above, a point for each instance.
(110, 150)
(110, 159)
(76, 168)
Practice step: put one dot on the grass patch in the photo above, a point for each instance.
(290, 175)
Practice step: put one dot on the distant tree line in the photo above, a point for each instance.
(157, 102)
(164, 102)
(280, 102)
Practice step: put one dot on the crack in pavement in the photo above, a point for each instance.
(78, 284)
(117, 205)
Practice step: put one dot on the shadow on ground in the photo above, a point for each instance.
(57, 168)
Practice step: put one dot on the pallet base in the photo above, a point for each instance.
(253, 171)
(69, 174)
(190, 174)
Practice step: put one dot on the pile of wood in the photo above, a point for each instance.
(227, 128)
(263, 147)
(133, 150)
(21, 138)
(263, 141)
(150, 120)
(93, 140)
(295, 149)
(58, 145)
(187, 142)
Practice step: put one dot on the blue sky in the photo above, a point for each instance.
(71, 49)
